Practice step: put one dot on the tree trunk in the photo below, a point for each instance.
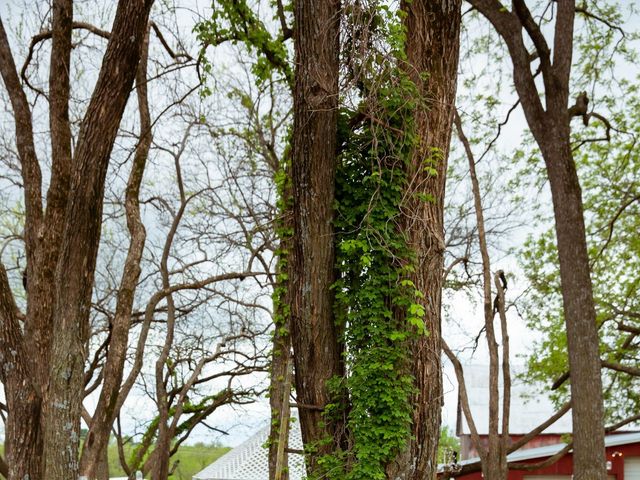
(81, 234)
(579, 308)
(102, 469)
(313, 331)
(432, 47)
(281, 364)
(494, 457)
(551, 129)
(97, 440)
(23, 441)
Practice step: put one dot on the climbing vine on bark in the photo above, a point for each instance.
(377, 305)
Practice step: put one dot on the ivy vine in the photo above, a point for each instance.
(377, 305)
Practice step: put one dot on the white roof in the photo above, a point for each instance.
(250, 461)
(549, 450)
(529, 408)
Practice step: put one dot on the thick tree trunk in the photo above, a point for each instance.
(42, 238)
(313, 331)
(23, 441)
(432, 47)
(102, 469)
(579, 308)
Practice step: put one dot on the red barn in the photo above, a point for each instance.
(528, 410)
(622, 453)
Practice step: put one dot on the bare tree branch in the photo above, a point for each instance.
(31, 174)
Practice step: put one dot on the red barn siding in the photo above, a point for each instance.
(564, 466)
(467, 450)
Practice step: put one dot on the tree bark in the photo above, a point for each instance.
(579, 310)
(23, 440)
(42, 234)
(551, 129)
(97, 440)
(23, 402)
(432, 47)
(80, 239)
(313, 331)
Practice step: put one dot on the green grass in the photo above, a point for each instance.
(192, 459)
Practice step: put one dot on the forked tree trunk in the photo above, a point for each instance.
(493, 457)
(42, 238)
(313, 331)
(80, 239)
(44, 392)
(432, 46)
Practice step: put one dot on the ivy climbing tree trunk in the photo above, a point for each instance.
(432, 48)
(313, 332)
(550, 126)
(281, 361)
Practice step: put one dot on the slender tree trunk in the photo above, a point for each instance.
(494, 457)
(432, 47)
(95, 445)
(281, 363)
(79, 248)
(313, 331)
(279, 388)
(161, 454)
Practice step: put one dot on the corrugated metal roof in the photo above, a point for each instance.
(549, 450)
(529, 408)
(249, 460)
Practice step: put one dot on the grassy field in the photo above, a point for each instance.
(192, 459)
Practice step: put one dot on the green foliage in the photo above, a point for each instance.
(139, 453)
(608, 173)
(377, 305)
(284, 232)
(448, 444)
(236, 21)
